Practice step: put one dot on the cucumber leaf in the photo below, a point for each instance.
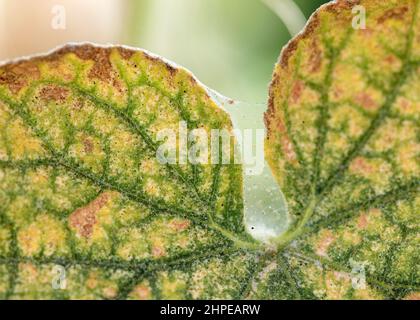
(83, 197)
(88, 212)
(343, 141)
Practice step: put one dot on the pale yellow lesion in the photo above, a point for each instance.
(76, 94)
(323, 241)
(401, 139)
(123, 145)
(155, 110)
(79, 67)
(133, 244)
(218, 273)
(151, 187)
(44, 233)
(347, 115)
(337, 144)
(107, 288)
(150, 167)
(95, 224)
(330, 284)
(141, 291)
(173, 285)
(127, 213)
(61, 69)
(158, 72)
(346, 124)
(408, 156)
(102, 121)
(57, 188)
(303, 129)
(34, 281)
(158, 238)
(413, 296)
(20, 210)
(166, 234)
(93, 283)
(157, 182)
(130, 70)
(115, 92)
(391, 134)
(332, 280)
(89, 150)
(312, 63)
(338, 286)
(89, 221)
(377, 171)
(20, 141)
(350, 84)
(409, 105)
(50, 117)
(373, 222)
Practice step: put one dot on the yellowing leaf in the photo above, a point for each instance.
(343, 140)
(88, 212)
(81, 186)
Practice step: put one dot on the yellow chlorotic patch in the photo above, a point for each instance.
(46, 234)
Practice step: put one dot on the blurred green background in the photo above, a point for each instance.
(230, 45)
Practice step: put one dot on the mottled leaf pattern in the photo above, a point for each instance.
(343, 140)
(80, 186)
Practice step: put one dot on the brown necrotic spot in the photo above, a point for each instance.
(78, 104)
(325, 241)
(102, 68)
(361, 166)
(286, 144)
(395, 14)
(125, 53)
(405, 104)
(84, 219)
(268, 115)
(54, 93)
(179, 225)
(14, 82)
(297, 91)
(341, 5)
(88, 145)
(362, 221)
(365, 218)
(315, 58)
(158, 251)
(391, 59)
(283, 63)
(366, 101)
(16, 75)
(293, 45)
(142, 292)
(413, 296)
(109, 292)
